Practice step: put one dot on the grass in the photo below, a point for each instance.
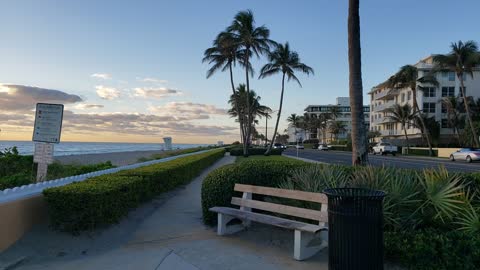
(272, 158)
(172, 153)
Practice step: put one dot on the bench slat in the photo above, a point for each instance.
(266, 219)
(284, 193)
(282, 209)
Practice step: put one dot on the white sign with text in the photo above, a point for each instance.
(48, 123)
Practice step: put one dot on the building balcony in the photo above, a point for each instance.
(384, 106)
(391, 132)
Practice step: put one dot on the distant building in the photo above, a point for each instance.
(344, 115)
(429, 101)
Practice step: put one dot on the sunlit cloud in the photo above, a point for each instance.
(187, 108)
(15, 97)
(107, 93)
(103, 76)
(151, 80)
(159, 93)
(84, 106)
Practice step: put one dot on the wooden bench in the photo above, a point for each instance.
(309, 238)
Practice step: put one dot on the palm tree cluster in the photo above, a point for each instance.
(237, 44)
(325, 122)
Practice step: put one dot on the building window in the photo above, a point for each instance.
(448, 91)
(444, 108)
(429, 107)
(445, 123)
(429, 92)
(460, 92)
(409, 95)
(451, 76)
(403, 97)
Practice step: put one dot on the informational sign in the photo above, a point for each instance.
(167, 143)
(48, 123)
(43, 153)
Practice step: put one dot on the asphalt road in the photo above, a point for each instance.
(407, 162)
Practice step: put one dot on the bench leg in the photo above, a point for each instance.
(308, 244)
(223, 229)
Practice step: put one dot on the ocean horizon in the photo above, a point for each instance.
(78, 148)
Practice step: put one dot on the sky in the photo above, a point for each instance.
(131, 71)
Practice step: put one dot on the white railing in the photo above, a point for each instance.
(12, 194)
(390, 132)
(381, 94)
(384, 106)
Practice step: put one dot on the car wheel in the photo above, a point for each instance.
(452, 158)
(469, 159)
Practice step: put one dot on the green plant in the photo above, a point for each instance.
(254, 151)
(104, 200)
(217, 188)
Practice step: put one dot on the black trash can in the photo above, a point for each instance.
(355, 229)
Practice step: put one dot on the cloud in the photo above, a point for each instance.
(84, 106)
(107, 93)
(159, 93)
(151, 80)
(103, 76)
(187, 108)
(14, 97)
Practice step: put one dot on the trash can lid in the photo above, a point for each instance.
(354, 192)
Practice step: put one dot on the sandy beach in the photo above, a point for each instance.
(117, 158)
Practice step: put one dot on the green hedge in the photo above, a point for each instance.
(104, 200)
(254, 151)
(217, 188)
(433, 250)
(421, 152)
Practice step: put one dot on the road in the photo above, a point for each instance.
(407, 162)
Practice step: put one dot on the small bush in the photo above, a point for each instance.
(104, 200)
(421, 152)
(254, 151)
(217, 188)
(311, 141)
(433, 250)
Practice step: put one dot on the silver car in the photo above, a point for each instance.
(467, 154)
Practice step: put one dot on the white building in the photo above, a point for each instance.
(343, 107)
(429, 101)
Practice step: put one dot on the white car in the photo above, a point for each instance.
(385, 148)
(467, 154)
(299, 146)
(323, 147)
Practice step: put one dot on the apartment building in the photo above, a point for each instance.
(429, 101)
(343, 107)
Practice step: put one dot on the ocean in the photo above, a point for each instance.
(76, 148)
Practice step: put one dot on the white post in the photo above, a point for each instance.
(43, 156)
(42, 172)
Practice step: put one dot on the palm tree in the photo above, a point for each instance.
(295, 121)
(256, 108)
(461, 60)
(322, 124)
(223, 55)
(335, 112)
(359, 136)
(283, 60)
(451, 104)
(407, 77)
(401, 114)
(336, 127)
(251, 40)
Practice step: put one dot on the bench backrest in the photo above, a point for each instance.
(247, 203)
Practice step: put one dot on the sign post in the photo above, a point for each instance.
(46, 131)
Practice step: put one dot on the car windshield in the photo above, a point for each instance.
(278, 144)
(470, 149)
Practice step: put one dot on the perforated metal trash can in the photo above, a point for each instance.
(355, 229)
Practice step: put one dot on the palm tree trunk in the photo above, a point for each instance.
(359, 141)
(406, 137)
(248, 122)
(467, 110)
(237, 107)
(424, 127)
(278, 117)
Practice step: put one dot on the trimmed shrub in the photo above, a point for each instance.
(311, 141)
(421, 152)
(217, 188)
(254, 151)
(104, 200)
(433, 250)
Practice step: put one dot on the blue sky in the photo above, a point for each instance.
(60, 44)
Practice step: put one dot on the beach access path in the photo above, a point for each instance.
(117, 158)
(167, 233)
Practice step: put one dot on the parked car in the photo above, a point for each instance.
(467, 154)
(323, 147)
(279, 146)
(299, 146)
(384, 148)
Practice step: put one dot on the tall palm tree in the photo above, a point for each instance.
(322, 123)
(407, 77)
(251, 40)
(461, 60)
(336, 127)
(451, 104)
(283, 60)
(295, 121)
(402, 114)
(223, 55)
(256, 108)
(359, 136)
